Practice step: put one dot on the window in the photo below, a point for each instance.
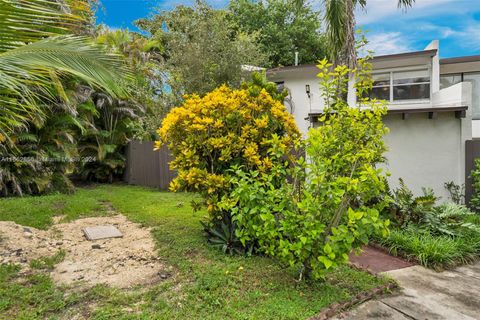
(449, 80)
(411, 85)
(381, 86)
(474, 79)
(401, 85)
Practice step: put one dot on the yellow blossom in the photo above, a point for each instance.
(208, 135)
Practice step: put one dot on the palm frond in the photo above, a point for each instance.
(26, 21)
(405, 4)
(336, 19)
(26, 74)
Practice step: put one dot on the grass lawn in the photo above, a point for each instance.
(208, 285)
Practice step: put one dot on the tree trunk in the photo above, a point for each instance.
(349, 52)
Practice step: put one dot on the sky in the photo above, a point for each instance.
(456, 23)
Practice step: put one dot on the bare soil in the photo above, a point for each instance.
(118, 262)
(376, 260)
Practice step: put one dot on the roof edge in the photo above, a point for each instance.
(460, 59)
(409, 110)
(430, 53)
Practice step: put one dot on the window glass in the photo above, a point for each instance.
(381, 79)
(411, 85)
(406, 77)
(381, 86)
(411, 91)
(449, 80)
(474, 78)
(381, 93)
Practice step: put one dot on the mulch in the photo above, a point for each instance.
(377, 260)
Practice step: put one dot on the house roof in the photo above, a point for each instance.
(460, 59)
(422, 53)
(460, 112)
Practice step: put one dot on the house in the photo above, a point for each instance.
(433, 111)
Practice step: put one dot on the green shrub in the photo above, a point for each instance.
(209, 135)
(312, 214)
(407, 209)
(422, 213)
(457, 192)
(475, 176)
(436, 236)
(449, 219)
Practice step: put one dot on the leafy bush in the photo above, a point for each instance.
(209, 135)
(75, 91)
(436, 236)
(106, 139)
(405, 208)
(311, 215)
(475, 176)
(421, 212)
(449, 219)
(457, 192)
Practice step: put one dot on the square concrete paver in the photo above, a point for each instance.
(101, 232)
(372, 310)
(426, 295)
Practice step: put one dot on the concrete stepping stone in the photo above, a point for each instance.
(101, 232)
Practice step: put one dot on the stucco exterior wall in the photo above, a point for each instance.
(425, 152)
(302, 105)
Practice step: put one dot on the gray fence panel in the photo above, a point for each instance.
(146, 167)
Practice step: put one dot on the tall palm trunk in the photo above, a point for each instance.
(348, 55)
(349, 51)
(340, 22)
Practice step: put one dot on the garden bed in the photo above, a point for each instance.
(437, 252)
(433, 234)
(207, 283)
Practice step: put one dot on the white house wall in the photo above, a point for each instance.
(425, 152)
(302, 105)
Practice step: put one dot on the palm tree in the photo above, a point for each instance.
(340, 23)
(37, 51)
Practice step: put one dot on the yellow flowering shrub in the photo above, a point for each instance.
(209, 135)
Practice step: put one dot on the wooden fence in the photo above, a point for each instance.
(146, 167)
(472, 151)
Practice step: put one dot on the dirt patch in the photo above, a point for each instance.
(119, 262)
(376, 260)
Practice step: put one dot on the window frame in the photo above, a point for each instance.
(392, 85)
(461, 74)
(474, 117)
(389, 85)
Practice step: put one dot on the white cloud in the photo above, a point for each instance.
(388, 43)
(378, 10)
(469, 37)
(440, 31)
